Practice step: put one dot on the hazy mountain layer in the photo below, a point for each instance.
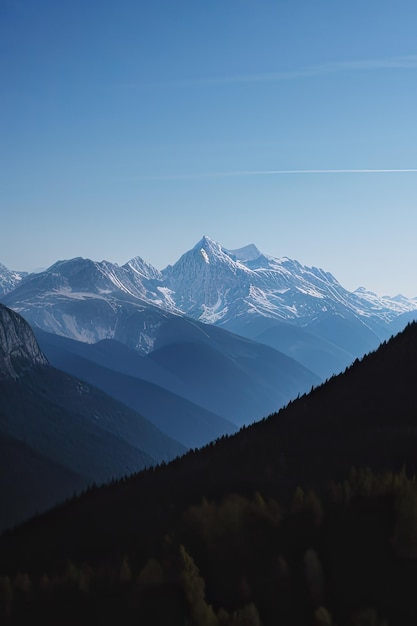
(211, 372)
(63, 422)
(234, 377)
(186, 422)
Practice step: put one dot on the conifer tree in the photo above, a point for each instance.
(201, 613)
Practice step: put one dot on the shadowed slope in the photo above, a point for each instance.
(366, 416)
(177, 417)
(51, 419)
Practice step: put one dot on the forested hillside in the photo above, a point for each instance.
(308, 517)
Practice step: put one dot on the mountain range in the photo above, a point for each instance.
(243, 291)
(194, 352)
(307, 516)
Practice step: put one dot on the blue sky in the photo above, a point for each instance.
(133, 128)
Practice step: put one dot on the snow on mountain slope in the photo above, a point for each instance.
(219, 286)
(91, 301)
(136, 279)
(206, 283)
(9, 279)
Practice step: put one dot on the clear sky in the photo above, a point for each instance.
(135, 127)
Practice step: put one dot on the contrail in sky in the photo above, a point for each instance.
(334, 67)
(275, 173)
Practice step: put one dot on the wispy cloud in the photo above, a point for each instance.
(243, 173)
(390, 63)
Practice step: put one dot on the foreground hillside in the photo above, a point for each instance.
(270, 526)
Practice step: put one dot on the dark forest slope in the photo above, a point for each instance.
(257, 536)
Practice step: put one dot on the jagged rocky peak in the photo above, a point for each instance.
(207, 242)
(69, 267)
(208, 248)
(247, 253)
(208, 256)
(9, 279)
(19, 350)
(198, 256)
(84, 275)
(212, 251)
(144, 269)
(364, 291)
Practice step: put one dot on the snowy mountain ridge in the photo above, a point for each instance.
(9, 279)
(227, 284)
(90, 301)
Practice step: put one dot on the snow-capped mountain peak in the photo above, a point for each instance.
(210, 247)
(219, 285)
(143, 269)
(228, 287)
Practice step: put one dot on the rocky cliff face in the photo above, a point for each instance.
(19, 350)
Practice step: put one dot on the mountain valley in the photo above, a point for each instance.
(307, 516)
(59, 434)
(194, 352)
